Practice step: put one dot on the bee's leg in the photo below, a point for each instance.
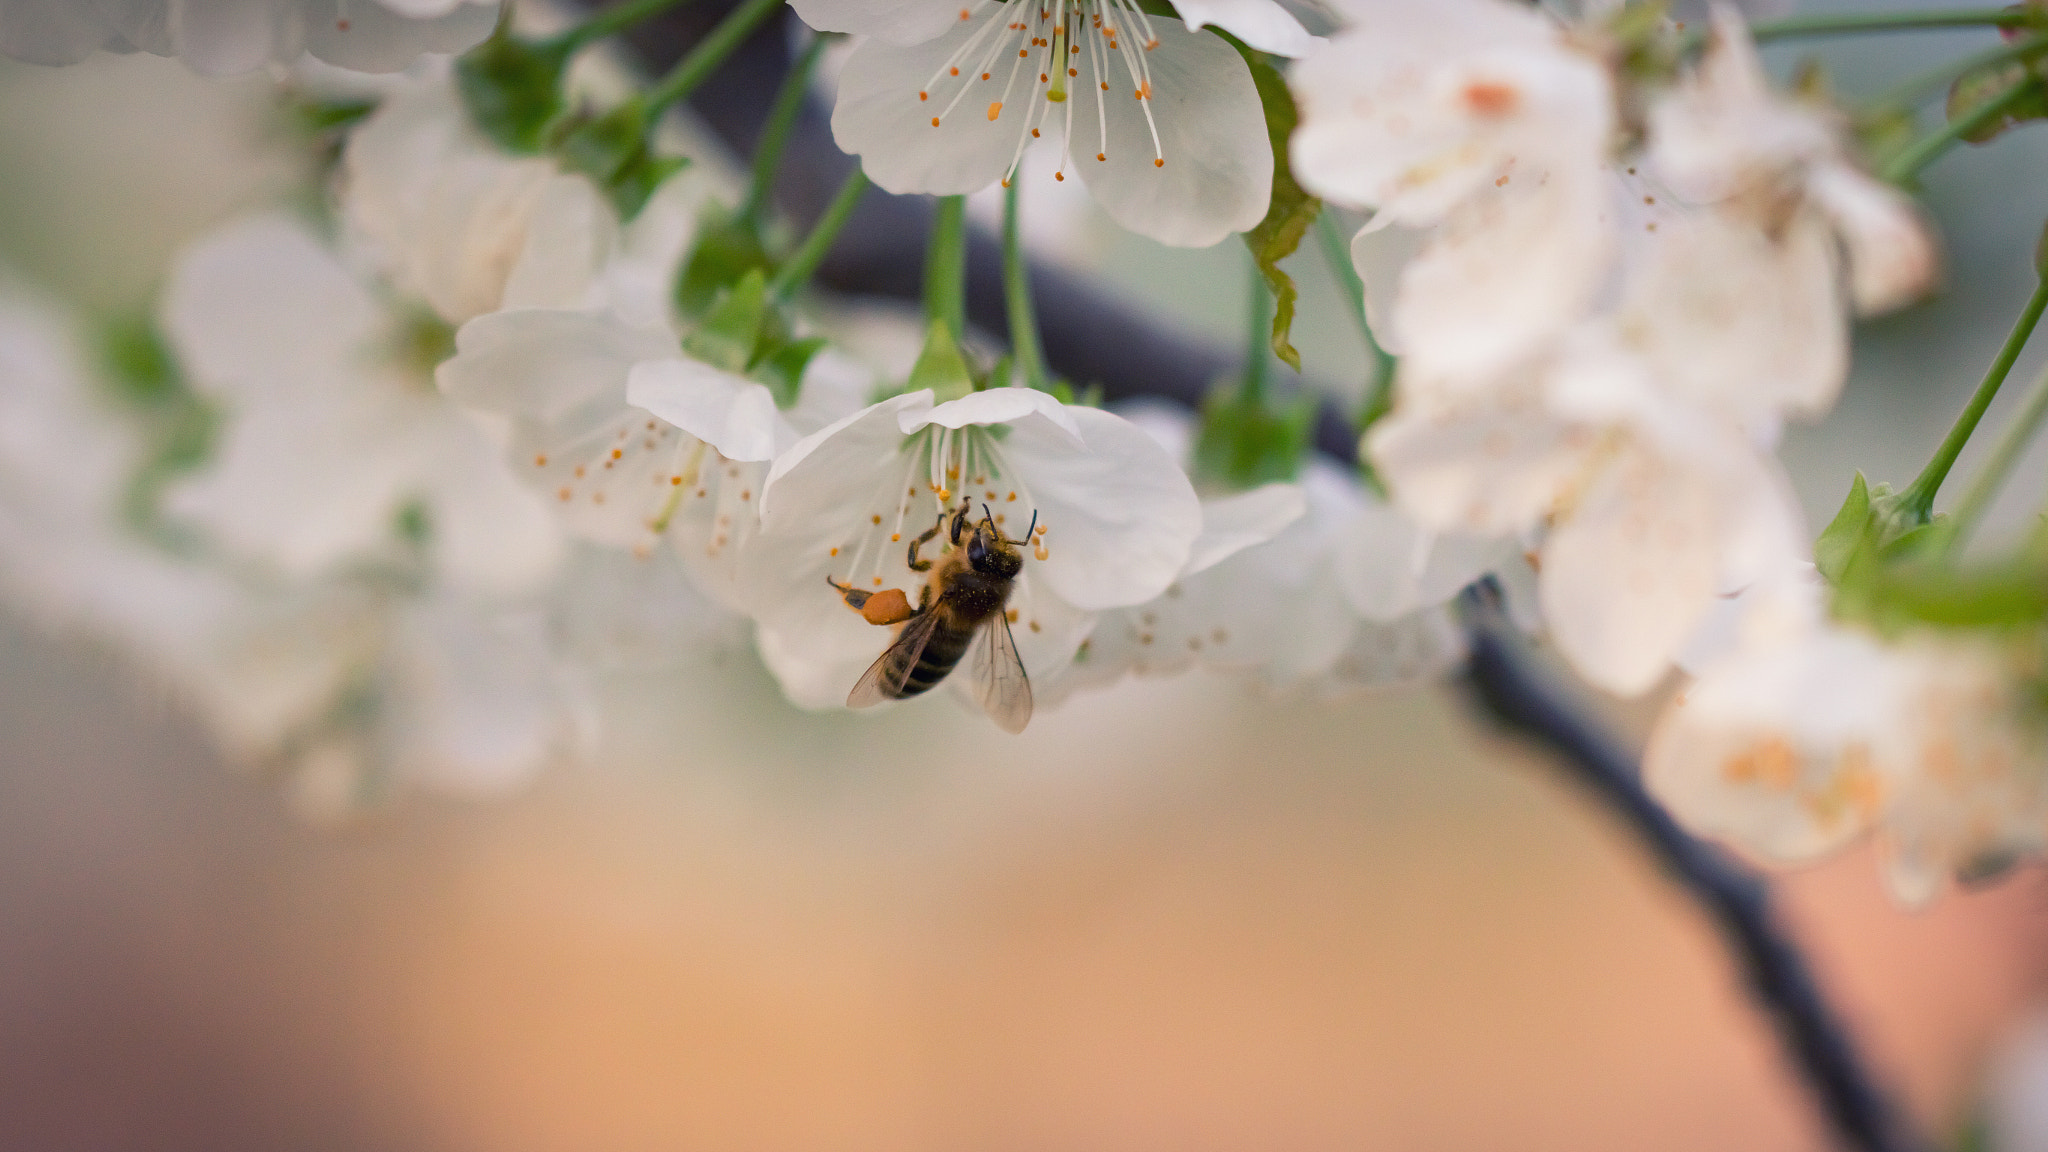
(855, 598)
(917, 565)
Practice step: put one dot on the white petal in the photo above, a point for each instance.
(731, 413)
(546, 364)
(1381, 252)
(898, 22)
(1218, 172)
(1892, 257)
(489, 533)
(366, 38)
(811, 488)
(995, 406)
(476, 709)
(1390, 567)
(1488, 467)
(571, 234)
(1263, 24)
(1628, 577)
(1230, 524)
(879, 118)
(1119, 514)
(51, 31)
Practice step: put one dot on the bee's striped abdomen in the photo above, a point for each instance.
(941, 655)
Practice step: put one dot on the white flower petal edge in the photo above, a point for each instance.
(1232, 523)
(1171, 140)
(731, 413)
(1263, 24)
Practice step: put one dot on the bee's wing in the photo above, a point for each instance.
(879, 683)
(999, 680)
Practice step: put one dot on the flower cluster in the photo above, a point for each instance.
(529, 396)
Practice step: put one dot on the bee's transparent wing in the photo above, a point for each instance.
(998, 676)
(885, 677)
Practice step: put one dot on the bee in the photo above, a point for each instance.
(963, 600)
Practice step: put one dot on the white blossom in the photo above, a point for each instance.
(1781, 167)
(1477, 132)
(1110, 520)
(1811, 734)
(227, 37)
(464, 225)
(1162, 122)
(335, 430)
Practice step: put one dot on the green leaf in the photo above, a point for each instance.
(729, 245)
(731, 332)
(941, 367)
(1246, 440)
(1839, 540)
(513, 89)
(1974, 90)
(781, 367)
(1288, 214)
(612, 150)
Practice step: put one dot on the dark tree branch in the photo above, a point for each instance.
(1516, 691)
(1091, 337)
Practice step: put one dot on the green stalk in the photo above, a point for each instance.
(1851, 23)
(945, 266)
(698, 65)
(1918, 498)
(1917, 88)
(611, 21)
(1256, 345)
(789, 101)
(1929, 148)
(2012, 444)
(1024, 342)
(796, 271)
(1379, 395)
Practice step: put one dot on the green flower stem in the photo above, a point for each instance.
(789, 101)
(1929, 148)
(611, 21)
(1379, 396)
(796, 271)
(2012, 444)
(700, 62)
(1257, 349)
(1024, 341)
(945, 266)
(1917, 88)
(1849, 23)
(1918, 498)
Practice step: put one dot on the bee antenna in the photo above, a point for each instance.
(988, 515)
(1034, 525)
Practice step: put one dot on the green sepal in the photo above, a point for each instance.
(1839, 540)
(998, 374)
(321, 117)
(179, 426)
(1246, 440)
(513, 89)
(731, 333)
(1974, 90)
(781, 366)
(1290, 211)
(729, 245)
(941, 367)
(611, 148)
(2004, 595)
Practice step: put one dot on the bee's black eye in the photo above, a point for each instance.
(977, 550)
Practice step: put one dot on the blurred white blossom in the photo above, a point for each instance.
(227, 37)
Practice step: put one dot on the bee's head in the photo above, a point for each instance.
(990, 554)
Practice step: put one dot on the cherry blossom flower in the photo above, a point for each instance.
(1110, 518)
(1809, 735)
(1477, 132)
(336, 432)
(228, 37)
(1315, 584)
(460, 223)
(1781, 168)
(1161, 121)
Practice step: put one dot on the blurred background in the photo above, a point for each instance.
(1172, 915)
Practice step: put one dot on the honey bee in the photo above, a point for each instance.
(963, 600)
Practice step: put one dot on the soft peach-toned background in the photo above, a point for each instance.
(1174, 916)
